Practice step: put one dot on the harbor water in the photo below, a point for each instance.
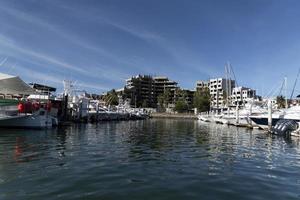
(149, 159)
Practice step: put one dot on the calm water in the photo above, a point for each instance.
(152, 159)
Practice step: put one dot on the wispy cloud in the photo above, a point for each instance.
(57, 80)
(140, 33)
(113, 75)
(96, 18)
(178, 54)
(9, 43)
(20, 15)
(92, 86)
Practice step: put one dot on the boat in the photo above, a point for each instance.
(16, 111)
(13, 115)
(292, 113)
(243, 116)
(203, 118)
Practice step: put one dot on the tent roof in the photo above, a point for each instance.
(14, 85)
(5, 76)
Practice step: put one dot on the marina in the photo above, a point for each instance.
(143, 100)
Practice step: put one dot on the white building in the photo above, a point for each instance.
(220, 89)
(202, 85)
(242, 95)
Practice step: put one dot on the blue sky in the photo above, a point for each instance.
(101, 43)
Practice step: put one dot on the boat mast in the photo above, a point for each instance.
(295, 84)
(226, 84)
(285, 84)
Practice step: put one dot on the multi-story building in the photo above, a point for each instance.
(242, 95)
(202, 85)
(141, 90)
(189, 96)
(220, 90)
(164, 85)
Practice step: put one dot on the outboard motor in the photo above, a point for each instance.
(284, 127)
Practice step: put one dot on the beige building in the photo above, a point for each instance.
(220, 90)
(202, 85)
(242, 95)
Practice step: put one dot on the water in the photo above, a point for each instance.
(152, 159)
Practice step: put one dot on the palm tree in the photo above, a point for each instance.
(111, 98)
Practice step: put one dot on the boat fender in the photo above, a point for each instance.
(21, 108)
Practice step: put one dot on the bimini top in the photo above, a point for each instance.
(13, 85)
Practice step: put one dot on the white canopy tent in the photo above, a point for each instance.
(13, 85)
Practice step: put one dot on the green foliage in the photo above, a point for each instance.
(280, 101)
(202, 100)
(145, 104)
(181, 106)
(111, 98)
(163, 99)
(181, 94)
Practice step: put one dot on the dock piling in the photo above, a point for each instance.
(269, 115)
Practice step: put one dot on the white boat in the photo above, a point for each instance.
(11, 117)
(203, 118)
(26, 121)
(219, 119)
(11, 114)
(243, 117)
(292, 113)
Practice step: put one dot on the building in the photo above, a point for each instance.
(141, 90)
(241, 95)
(220, 89)
(189, 97)
(144, 90)
(164, 85)
(202, 85)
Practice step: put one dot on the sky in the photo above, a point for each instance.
(100, 43)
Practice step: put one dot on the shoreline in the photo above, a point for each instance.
(174, 116)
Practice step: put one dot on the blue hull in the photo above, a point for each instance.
(264, 120)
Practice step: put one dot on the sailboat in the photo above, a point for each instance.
(289, 113)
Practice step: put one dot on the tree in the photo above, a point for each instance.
(280, 101)
(163, 99)
(111, 98)
(202, 100)
(160, 101)
(145, 104)
(181, 106)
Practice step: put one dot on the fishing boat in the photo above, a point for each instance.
(16, 111)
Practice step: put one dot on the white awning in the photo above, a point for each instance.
(13, 85)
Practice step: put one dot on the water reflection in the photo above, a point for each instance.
(142, 157)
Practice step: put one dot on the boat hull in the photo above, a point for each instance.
(263, 121)
(26, 121)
